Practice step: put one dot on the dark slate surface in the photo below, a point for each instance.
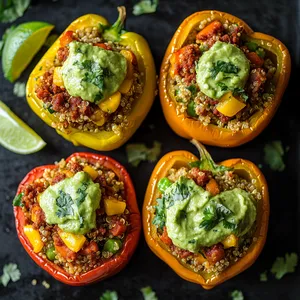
(278, 18)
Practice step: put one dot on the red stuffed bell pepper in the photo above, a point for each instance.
(78, 219)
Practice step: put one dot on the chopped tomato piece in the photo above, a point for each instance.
(102, 45)
(118, 228)
(91, 248)
(210, 30)
(67, 38)
(62, 249)
(165, 238)
(255, 59)
(215, 253)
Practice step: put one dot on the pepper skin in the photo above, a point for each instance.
(103, 140)
(245, 169)
(190, 128)
(111, 266)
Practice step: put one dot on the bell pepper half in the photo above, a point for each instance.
(101, 140)
(245, 169)
(211, 134)
(33, 245)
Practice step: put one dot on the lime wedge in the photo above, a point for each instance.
(21, 46)
(17, 136)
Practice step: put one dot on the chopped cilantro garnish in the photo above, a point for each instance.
(263, 277)
(274, 155)
(81, 193)
(12, 10)
(18, 200)
(148, 293)
(159, 219)
(284, 265)
(237, 295)
(145, 7)
(223, 66)
(140, 152)
(109, 295)
(10, 273)
(64, 203)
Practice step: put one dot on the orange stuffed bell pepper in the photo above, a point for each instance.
(78, 219)
(220, 82)
(207, 221)
(96, 84)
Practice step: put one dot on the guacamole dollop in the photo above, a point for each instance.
(72, 203)
(224, 67)
(93, 73)
(195, 218)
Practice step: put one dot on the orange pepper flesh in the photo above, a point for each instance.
(189, 128)
(245, 169)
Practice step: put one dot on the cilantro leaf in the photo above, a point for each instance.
(145, 7)
(19, 89)
(222, 85)
(237, 295)
(148, 293)
(223, 66)
(12, 10)
(282, 265)
(241, 93)
(10, 272)
(64, 203)
(159, 219)
(109, 295)
(273, 155)
(18, 200)
(140, 152)
(263, 277)
(81, 193)
(5, 36)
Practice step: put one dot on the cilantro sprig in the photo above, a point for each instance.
(145, 7)
(10, 273)
(274, 155)
(12, 10)
(284, 265)
(148, 293)
(223, 66)
(109, 295)
(64, 203)
(159, 219)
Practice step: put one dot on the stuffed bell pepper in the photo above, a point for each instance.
(78, 219)
(96, 83)
(220, 82)
(207, 221)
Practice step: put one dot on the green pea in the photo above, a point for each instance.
(251, 46)
(51, 253)
(163, 184)
(191, 109)
(112, 245)
(261, 52)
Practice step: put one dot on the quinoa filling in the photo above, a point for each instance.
(96, 246)
(111, 114)
(255, 95)
(207, 261)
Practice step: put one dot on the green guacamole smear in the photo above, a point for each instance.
(224, 67)
(93, 73)
(195, 218)
(72, 203)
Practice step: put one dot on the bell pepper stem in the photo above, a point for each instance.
(113, 32)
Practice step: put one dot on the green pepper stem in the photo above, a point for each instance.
(204, 155)
(113, 32)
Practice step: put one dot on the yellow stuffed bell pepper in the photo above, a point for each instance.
(96, 83)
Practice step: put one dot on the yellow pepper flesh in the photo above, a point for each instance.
(34, 238)
(230, 105)
(73, 241)
(113, 206)
(91, 171)
(230, 241)
(111, 104)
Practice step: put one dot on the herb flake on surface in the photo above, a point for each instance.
(18, 200)
(274, 155)
(10, 273)
(139, 152)
(148, 293)
(223, 66)
(284, 265)
(159, 219)
(145, 7)
(12, 10)
(237, 295)
(109, 295)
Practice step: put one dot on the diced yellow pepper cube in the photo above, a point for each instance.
(34, 238)
(91, 171)
(230, 241)
(38, 198)
(57, 77)
(126, 86)
(111, 104)
(73, 241)
(98, 117)
(68, 173)
(113, 206)
(229, 105)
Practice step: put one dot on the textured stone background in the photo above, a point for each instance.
(278, 18)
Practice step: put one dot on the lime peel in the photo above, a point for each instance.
(17, 136)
